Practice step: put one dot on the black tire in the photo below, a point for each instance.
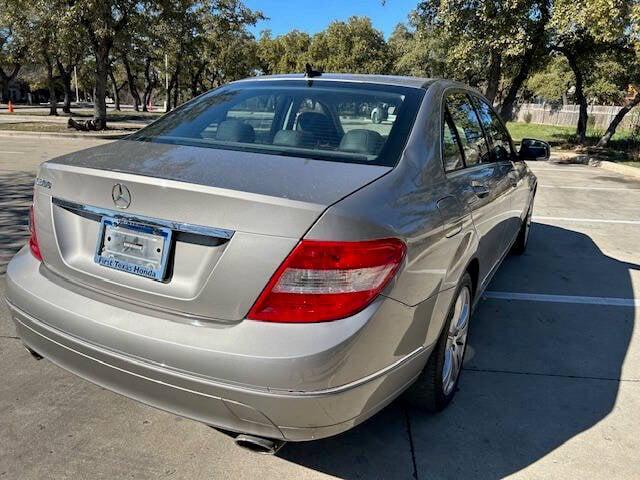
(428, 391)
(520, 245)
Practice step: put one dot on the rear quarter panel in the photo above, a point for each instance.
(404, 204)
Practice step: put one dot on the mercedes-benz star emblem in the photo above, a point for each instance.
(121, 196)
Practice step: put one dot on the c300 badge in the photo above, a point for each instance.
(41, 182)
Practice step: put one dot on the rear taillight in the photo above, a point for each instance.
(323, 281)
(33, 238)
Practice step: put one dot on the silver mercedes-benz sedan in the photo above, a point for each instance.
(271, 258)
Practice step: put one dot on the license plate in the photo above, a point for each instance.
(133, 248)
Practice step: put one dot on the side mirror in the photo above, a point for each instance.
(531, 149)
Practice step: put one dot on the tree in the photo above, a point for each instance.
(632, 64)
(552, 82)
(535, 49)
(351, 47)
(12, 45)
(486, 37)
(69, 50)
(35, 23)
(103, 22)
(418, 52)
(230, 50)
(582, 30)
(287, 53)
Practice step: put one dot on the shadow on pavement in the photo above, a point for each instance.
(16, 190)
(536, 375)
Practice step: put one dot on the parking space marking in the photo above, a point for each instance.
(5, 151)
(567, 187)
(587, 220)
(539, 297)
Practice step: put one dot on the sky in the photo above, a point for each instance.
(312, 16)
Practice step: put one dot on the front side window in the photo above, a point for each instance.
(468, 128)
(325, 120)
(501, 142)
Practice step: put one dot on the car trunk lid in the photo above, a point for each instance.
(234, 216)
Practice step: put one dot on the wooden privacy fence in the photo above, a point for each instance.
(568, 115)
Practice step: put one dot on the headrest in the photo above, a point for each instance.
(293, 138)
(362, 141)
(235, 131)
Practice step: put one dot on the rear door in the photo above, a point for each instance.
(503, 153)
(480, 181)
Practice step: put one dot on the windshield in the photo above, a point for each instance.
(326, 120)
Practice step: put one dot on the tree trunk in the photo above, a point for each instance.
(149, 84)
(176, 92)
(583, 116)
(172, 92)
(68, 94)
(65, 76)
(53, 103)
(493, 78)
(506, 110)
(196, 80)
(131, 80)
(611, 129)
(5, 80)
(116, 90)
(102, 72)
(538, 41)
(169, 94)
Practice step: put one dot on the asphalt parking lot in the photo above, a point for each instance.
(550, 389)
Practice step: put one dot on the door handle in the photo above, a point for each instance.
(480, 189)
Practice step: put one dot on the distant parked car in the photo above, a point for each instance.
(267, 261)
(380, 113)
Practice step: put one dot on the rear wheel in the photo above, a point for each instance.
(521, 242)
(436, 385)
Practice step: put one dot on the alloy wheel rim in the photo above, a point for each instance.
(456, 340)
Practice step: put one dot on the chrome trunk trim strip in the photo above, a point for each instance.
(173, 225)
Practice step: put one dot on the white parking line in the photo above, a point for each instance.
(587, 220)
(567, 187)
(5, 151)
(538, 297)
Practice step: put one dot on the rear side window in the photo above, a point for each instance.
(452, 155)
(502, 149)
(468, 128)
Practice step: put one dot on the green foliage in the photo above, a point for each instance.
(417, 53)
(353, 46)
(552, 82)
(284, 54)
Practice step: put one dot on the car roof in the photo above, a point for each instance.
(414, 82)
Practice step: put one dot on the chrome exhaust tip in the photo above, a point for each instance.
(261, 445)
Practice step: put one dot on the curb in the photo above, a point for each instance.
(616, 167)
(50, 135)
(585, 159)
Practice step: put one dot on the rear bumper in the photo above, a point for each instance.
(290, 415)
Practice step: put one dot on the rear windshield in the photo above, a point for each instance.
(325, 120)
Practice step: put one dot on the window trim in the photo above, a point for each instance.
(472, 98)
(514, 154)
(443, 107)
(448, 121)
